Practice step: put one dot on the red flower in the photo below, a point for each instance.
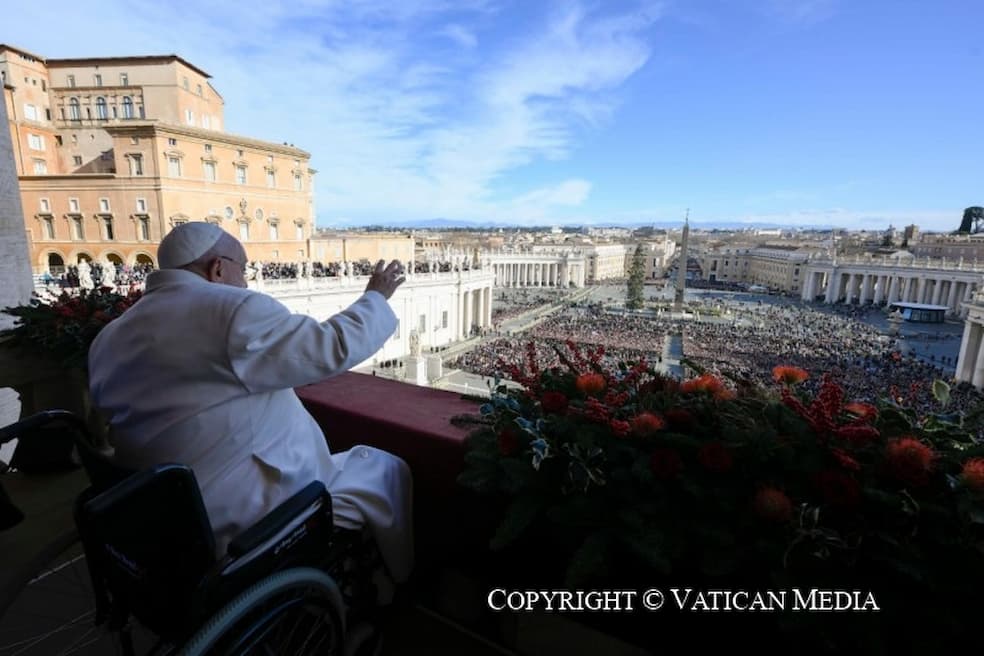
(862, 411)
(845, 461)
(647, 423)
(715, 457)
(973, 474)
(838, 488)
(553, 403)
(508, 442)
(619, 428)
(590, 384)
(789, 375)
(679, 418)
(857, 434)
(665, 464)
(709, 384)
(910, 460)
(772, 505)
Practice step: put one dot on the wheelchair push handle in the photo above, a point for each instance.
(40, 419)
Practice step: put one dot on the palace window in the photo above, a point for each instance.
(136, 164)
(40, 167)
(271, 180)
(78, 231)
(45, 205)
(103, 204)
(141, 205)
(299, 231)
(73, 205)
(77, 160)
(127, 107)
(124, 80)
(30, 112)
(101, 108)
(71, 80)
(174, 167)
(243, 231)
(298, 183)
(143, 228)
(274, 232)
(241, 175)
(209, 168)
(107, 227)
(48, 227)
(98, 79)
(73, 109)
(35, 141)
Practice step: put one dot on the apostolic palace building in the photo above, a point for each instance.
(112, 152)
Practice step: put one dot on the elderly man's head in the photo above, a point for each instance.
(205, 249)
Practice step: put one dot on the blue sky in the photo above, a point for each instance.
(855, 113)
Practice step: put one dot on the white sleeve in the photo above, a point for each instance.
(270, 348)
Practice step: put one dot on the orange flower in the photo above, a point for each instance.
(772, 504)
(647, 423)
(910, 460)
(590, 384)
(709, 384)
(973, 474)
(789, 375)
(863, 411)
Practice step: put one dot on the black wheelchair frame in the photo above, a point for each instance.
(293, 578)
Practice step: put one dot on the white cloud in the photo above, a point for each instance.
(401, 115)
(460, 35)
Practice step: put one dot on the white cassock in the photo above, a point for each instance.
(203, 374)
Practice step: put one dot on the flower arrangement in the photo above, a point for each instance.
(64, 328)
(624, 476)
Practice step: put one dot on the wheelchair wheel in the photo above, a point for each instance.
(52, 609)
(296, 611)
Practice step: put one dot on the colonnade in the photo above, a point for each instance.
(475, 310)
(892, 284)
(559, 273)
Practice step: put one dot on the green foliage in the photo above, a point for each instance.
(637, 277)
(632, 476)
(64, 329)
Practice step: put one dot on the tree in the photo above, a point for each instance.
(637, 275)
(973, 217)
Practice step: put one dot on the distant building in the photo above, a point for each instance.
(910, 235)
(773, 266)
(113, 152)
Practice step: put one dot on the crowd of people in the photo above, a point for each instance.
(512, 303)
(744, 342)
(623, 338)
(119, 276)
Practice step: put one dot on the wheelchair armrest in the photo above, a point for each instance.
(38, 420)
(277, 520)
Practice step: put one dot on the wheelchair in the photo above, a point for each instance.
(140, 572)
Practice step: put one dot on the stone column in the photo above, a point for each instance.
(16, 282)
(467, 315)
(921, 293)
(969, 348)
(937, 289)
(488, 306)
(831, 287)
(863, 292)
(878, 293)
(951, 297)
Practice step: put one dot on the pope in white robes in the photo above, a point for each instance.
(201, 371)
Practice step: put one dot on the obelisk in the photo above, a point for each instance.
(681, 284)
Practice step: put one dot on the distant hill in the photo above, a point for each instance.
(446, 224)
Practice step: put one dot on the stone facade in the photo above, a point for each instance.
(112, 153)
